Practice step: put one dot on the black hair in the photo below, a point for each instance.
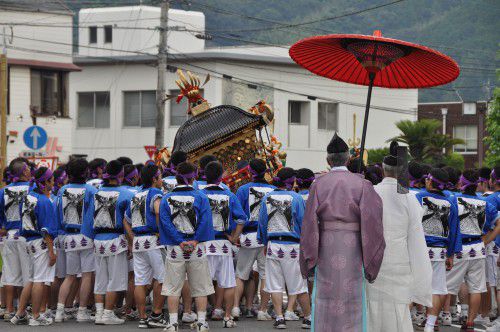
(184, 168)
(38, 174)
(453, 174)
(95, 164)
(61, 169)
(125, 161)
(127, 169)
(6, 175)
(353, 165)
(148, 174)
(484, 172)
(139, 168)
(16, 166)
(178, 157)
(426, 168)
(440, 175)
(260, 167)
(374, 174)
(304, 174)
(205, 160)
(114, 167)
(472, 175)
(77, 170)
(283, 174)
(213, 171)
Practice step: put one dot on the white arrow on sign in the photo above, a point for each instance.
(35, 134)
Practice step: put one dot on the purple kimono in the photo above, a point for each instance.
(342, 231)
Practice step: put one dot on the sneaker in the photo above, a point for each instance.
(235, 313)
(61, 316)
(228, 322)
(99, 318)
(249, 313)
(217, 314)
(467, 327)
(189, 317)
(48, 316)
(482, 320)
(8, 316)
(263, 316)
(306, 324)
(202, 327)
(422, 325)
(156, 321)
(290, 315)
(132, 315)
(419, 318)
(143, 323)
(109, 318)
(493, 328)
(171, 327)
(84, 316)
(17, 320)
(40, 321)
(2, 311)
(455, 318)
(446, 320)
(280, 324)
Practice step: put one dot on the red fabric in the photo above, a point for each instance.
(420, 67)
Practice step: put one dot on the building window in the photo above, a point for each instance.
(108, 33)
(139, 109)
(469, 108)
(297, 112)
(92, 35)
(93, 109)
(178, 111)
(48, 93)
(328, 116)
(469, 135)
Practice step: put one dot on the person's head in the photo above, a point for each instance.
(202, 163)
(483, 182)
(468, 181)
(338, 152)
(304, 178)
(139, 167)
(436, 180)
(114, 173)
(77, 170)
(392, 164)
(177, 158)
(131, 175)
(19, 170)
(453, 175)
(185, 173)
(151, 177)
(353, 166)
(6, 176)
(495, 178)
(285, 178)
(60, 177)
(125, 160)
(258, 169)
(96, 168)
(213, 172)
(416, 174)
(44, 179)
(374, 174)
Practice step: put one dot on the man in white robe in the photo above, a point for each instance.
(406, 272)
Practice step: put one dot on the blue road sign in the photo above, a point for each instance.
(35, 137)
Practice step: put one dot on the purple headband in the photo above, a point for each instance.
(60, 179)
(47, 175)
(288, 182)
(494, 177)
(94, 174)
(256, 175)
(466, 183)
(481, 179)
(15, 177)
(169, 170)
(118, 177)
(414, 180)
(201, 174)
(441, 184)
(186, 177)
(301, 181)
(128, 178)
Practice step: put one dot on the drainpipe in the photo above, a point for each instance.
(444, 112)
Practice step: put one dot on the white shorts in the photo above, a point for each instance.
(472, 272)
(222, 270)
(198, 276)
(491, 270)
(42, 272)
(284, 275)
(61, 263)
(17, 268)
(439, 278)
(111, 274)
(148, 265)
(80, 261)
(246, 258)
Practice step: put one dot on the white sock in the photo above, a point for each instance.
(174, 318)
(431, 320)
(99, 307)
(60, 307)
(108, 312)
(465, 310)
(202, 316)
(279, 317)
(453, 309)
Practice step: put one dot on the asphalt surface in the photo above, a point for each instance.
(250, 325)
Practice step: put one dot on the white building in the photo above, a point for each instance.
(39, 41)
(113, 97)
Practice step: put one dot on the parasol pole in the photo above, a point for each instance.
(365, 121)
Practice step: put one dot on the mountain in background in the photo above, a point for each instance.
(466, 30)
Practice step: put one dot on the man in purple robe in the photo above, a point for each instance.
(342, 232)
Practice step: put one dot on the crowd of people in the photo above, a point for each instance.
(166, 245)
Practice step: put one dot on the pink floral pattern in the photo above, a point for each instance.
(339, 262)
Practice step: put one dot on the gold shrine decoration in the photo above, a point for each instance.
(355, 141)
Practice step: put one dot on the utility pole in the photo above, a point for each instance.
(162, 68)
(3, 105)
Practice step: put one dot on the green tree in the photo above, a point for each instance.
(455, 160)
(416, 135)
(377, 155)
(435, 145)
(493, 128)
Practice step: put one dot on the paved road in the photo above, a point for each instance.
(243, 326)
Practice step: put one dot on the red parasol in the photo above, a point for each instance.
(374, 61)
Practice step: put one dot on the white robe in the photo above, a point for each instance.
(406, 272)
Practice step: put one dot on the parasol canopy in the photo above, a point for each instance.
(395, 63)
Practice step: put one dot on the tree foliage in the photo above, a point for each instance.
(377, 155)
(493, 128)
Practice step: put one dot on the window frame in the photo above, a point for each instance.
(62, 100)
(175, 92)
(140, 108)
(92, 32)
(465, 106)
(290, 102)
(336, 115)
(94, 95)
(107, 28)
(466, 139)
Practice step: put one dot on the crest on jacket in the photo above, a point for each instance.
(138, 209)
(13, 197)
(72, 205)
(219, 204)
(255, 196)
(436, 214)
(105, 209)
(279, 212)
(472, 215)
(182, 213)
(28, 217)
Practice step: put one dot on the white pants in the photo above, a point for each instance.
(246, 258)
(470, 271)
(80, 261)
(284, 275)
(439, 278)
(17, 268)
(222, 270)
(111, 273)
(148, 265)
(42, 272)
